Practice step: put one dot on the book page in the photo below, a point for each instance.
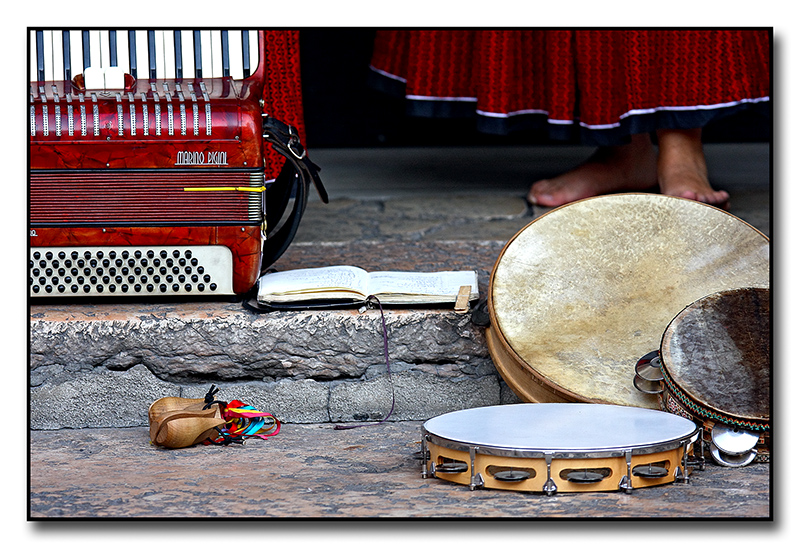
(422, 283)
(312, 280)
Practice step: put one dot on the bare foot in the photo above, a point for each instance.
(682, 168)
(631, 167)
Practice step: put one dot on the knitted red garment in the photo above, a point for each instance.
(282, 91)
(626, 81)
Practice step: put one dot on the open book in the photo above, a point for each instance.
(353, 284)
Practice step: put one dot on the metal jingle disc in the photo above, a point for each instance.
(584, 476)
(649, 471)
(511, 475)
(650, 370)
(726, 459)
(648, 387)
(733, 441)
(452, 467)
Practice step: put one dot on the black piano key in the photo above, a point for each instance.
(87, 58)
(198, 55)
(226, 63)
(151, 50)
(112, 48)
(132, 52)
(245, 53)
(178, 54)
(67, 55)
(39, 56)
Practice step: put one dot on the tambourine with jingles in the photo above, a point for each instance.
(585, 290)
(714, 367)
(558, 447)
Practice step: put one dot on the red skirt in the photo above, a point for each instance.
(604, 85)
(282, 92)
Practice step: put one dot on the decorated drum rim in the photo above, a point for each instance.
(704, 411)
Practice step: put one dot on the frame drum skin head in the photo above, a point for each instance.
(560, 428)
(717, 351)
(584, 291)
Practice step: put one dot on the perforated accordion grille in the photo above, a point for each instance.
(130, 270)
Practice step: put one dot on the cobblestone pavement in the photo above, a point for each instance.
(314, 471)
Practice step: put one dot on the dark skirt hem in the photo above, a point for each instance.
(620, 133)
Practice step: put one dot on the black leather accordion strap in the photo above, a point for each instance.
(294, 180)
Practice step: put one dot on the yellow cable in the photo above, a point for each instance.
(226, 188)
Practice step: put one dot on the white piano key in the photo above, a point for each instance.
(104, 47)
(122, 51)
(235, 54)
(96, 49)
(58, 55)
(216, 55)
(206, 45)
(32, 57)
(142, 58)
(187, 53)
(161, 68)
(168, 43)
(76, 52)
(253, 35)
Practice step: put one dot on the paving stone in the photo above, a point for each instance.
(314, 471)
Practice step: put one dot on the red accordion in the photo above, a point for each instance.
(147, 171)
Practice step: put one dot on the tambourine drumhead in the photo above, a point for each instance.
(717, 352)
(559, 428)
(582, 292)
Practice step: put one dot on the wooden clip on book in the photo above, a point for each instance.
(349, 284)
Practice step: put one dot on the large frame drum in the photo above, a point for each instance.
(558, 447)
(585, 290)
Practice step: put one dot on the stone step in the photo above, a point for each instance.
(102, 365)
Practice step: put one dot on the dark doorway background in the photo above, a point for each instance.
(343, 111)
